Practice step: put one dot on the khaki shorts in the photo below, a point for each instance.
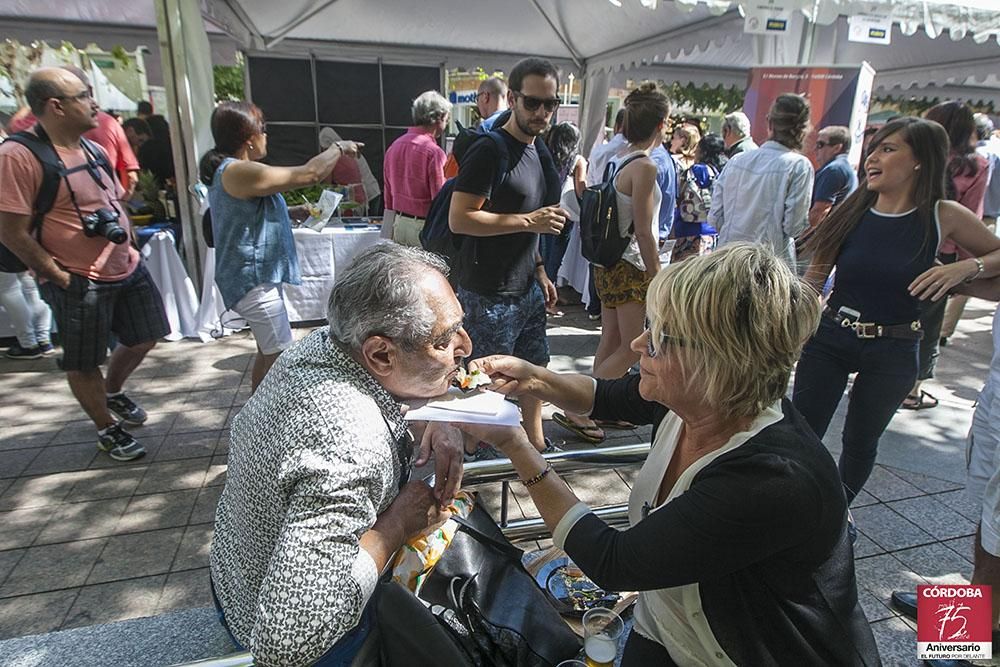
(406, 230)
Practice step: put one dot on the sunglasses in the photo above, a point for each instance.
(664, 338)
(532, 103)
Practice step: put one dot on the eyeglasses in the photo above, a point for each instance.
(823, 144)
(532, 103)
(79, 97)
(664, 338)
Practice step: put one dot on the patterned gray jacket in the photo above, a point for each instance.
(317, 453)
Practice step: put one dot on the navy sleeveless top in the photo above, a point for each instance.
(878, 261)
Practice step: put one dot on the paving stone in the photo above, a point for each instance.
(41, 491)
(76, 431)
(34, 614)
(193, 550)
(204, 507)
(63, 458)
(159, 423)
(189, 589)
(865, 547)
(963, 546)
(52, 567)
(897, 642)
(102, 484)
(874, 609)
(136, 555)
(888, 529)
(80, 521)
(937, 564)
(187, 446)
(8, 559)
(21, 527)
(190, 421)
(174, 475)
(924, 482)
(863, 499)
(157, 510)
(14, 462)
(958, 501)
(886, 486)
(883, 574)
(598, 488)
(217, 397)
(934, 517)
(115, 601)
(26, 436)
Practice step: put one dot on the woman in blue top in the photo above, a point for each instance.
(254, 248)
(883, 241)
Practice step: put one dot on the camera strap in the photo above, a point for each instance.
(94, 160)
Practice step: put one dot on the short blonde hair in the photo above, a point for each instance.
(742, 317)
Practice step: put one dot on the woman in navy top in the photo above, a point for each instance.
(883, 241)
(255, 251)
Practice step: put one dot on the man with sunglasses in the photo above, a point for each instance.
(500, 275)
(94, 286)
(836, 179)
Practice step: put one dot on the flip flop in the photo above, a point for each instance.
(923, 401)
(588, 433)
(618, 425)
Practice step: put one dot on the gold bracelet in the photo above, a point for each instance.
(539, 477)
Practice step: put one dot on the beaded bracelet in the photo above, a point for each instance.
(980, 267)
(539, 477)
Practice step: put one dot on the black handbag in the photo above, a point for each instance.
(481, 602)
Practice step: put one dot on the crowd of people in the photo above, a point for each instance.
(740, 264)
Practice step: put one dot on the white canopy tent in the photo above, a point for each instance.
(699, 41)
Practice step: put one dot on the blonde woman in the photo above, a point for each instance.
(738, 537)
(684, 147)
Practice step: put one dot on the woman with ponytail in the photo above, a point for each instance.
(883, 241)
(254, 248)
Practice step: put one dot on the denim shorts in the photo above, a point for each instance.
(513, 325)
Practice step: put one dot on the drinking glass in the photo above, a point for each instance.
(601, 630)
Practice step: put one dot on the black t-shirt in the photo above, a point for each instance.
(502, 265)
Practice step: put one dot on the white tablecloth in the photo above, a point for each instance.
(180, 300)
(320, 253)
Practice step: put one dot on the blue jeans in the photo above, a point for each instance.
(886, 370)
(341, 654)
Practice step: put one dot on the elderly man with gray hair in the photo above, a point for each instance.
(317, 500)
(736, 133)
(414, 170)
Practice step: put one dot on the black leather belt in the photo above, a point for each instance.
(911, 331)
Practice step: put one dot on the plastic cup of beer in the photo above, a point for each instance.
(571, 663)
(601, 630)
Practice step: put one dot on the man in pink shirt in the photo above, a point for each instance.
(414, 170)
(90, 276)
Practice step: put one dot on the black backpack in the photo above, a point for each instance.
(436, 236)
(53, 171)
(600, 241)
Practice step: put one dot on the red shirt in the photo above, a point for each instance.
(414, 172)
(110, 136)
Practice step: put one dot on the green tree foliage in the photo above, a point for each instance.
(229, 81)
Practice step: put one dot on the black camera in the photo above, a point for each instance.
(104, 222)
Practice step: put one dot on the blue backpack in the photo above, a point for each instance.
(436, 236)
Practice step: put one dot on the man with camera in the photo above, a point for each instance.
(90, 275)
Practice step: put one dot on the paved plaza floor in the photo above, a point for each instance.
(86, 541)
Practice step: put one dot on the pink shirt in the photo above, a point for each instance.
(110, 136)
(62, 232)
(414, 172)
(970, 192)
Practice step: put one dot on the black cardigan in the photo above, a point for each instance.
(762, 530)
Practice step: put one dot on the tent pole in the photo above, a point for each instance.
(187, 73)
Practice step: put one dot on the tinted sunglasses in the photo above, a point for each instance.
(664, 338)
(532, 103)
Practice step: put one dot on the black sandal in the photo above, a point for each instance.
(923, 401)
